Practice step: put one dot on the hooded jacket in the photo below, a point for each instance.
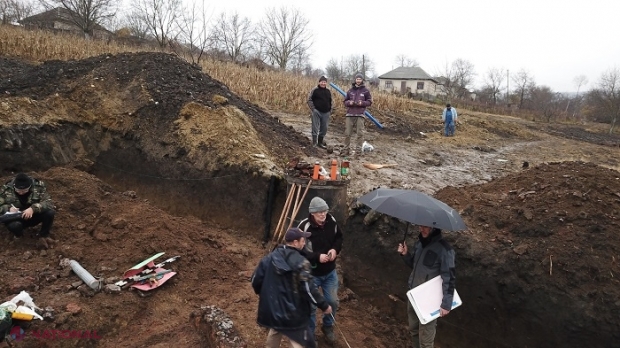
(283, 281)
(431, 257)
(323, 239)
(354, 95)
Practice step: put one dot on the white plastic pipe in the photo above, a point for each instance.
(85, 276)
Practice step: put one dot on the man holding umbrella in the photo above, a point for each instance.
(431, 256)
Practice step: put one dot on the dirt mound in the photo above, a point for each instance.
(149, 122)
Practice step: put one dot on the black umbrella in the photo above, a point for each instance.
(415, 207)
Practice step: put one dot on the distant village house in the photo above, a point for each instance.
(60, 19)
(409, 81)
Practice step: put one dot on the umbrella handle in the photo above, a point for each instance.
(406, 232)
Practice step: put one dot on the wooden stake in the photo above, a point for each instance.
(550, 266)
(289, 197)
(280, 234)
(298, 206)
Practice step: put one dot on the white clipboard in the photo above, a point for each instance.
(426, 299)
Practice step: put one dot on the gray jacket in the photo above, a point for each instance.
(436, 258)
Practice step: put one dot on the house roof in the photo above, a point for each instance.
(58, 14)
(407, 73)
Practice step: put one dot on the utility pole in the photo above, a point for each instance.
(508, 87)
(364, 66)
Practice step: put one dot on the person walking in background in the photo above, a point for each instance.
(320, 104)
(356, 101)
(29, 197)
(287, 293)
(322, 249)
(449, 117)
(431, 256)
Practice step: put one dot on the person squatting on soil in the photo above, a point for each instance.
(320, 104)
(449, 118)
(431, 256)
(323, 246)
(287, 293)
(358, 98)
(28, 196)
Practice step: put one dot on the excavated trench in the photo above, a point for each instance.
(230, 196)
(169, 150)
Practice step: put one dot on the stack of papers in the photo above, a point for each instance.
(426, 299)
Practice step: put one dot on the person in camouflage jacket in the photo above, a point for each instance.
(28, 196)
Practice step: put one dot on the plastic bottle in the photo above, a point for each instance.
(334, 171)
(316, 170)
(344, 168)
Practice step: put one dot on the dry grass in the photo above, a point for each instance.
(273, 90)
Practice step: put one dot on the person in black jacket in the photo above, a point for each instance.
(322, 249)
(320, 104)
(284, 283)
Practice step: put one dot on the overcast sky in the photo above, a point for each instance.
(554, 40)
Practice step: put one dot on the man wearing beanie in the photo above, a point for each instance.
(320, 104)
(287, 293)
(322, 248)
(29, 197)
(356, 101)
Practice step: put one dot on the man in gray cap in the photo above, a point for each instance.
(356, 101)
(29, 197)
(322, 248)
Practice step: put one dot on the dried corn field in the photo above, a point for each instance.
(272, 90)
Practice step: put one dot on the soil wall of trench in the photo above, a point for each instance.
(503, 302)
(231, 197)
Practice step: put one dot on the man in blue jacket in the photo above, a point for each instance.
(449, 117)
(432, 256)
(284, 283)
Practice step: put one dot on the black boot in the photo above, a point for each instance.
(314, 140)
(322, 143)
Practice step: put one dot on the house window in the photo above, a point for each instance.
(420, 85)
(388, 84)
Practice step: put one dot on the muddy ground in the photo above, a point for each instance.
(144, 153)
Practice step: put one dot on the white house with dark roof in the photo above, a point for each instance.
(405, 80)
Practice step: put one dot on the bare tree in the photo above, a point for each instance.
(579, 81)
(233, 34)
(335, 70)
(159, 17)
(546, 102)
(137, 27)
(493, 81)
(604, 101)
(523, 83)
(358, 63)
(86, 14)
(193, 33)
(12, 11)
(458, 78)
(285, 35)
(402, 60)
